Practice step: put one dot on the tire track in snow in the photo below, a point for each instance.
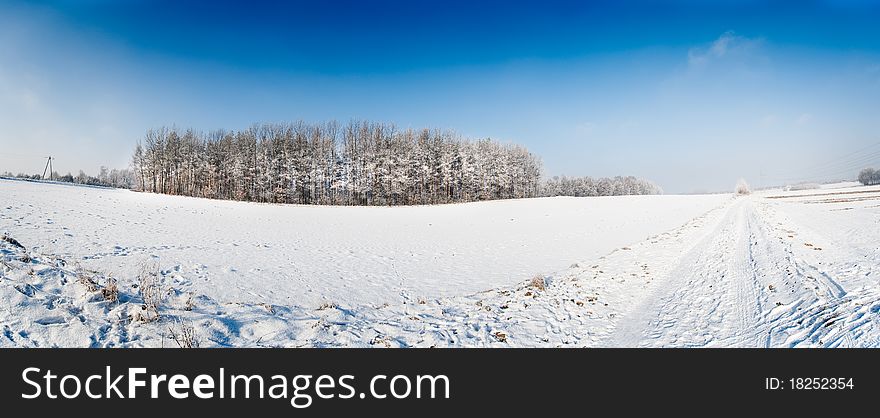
(823, 312)
(744, 285)
(660, 318)
(712, 296)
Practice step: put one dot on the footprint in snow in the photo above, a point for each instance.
(52, 320)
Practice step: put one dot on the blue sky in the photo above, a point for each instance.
(692, 96)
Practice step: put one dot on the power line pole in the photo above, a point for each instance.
(761, 176)
(48, 167)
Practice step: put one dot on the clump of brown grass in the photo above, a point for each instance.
(110, 292)
(538, 283)
(151, 293)
(87, 281)
(184, 335)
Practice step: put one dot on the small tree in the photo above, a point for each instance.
(742, 188)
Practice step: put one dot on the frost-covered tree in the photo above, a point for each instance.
(869, 177)
(587, 186)
(742, 188)
(360, 163)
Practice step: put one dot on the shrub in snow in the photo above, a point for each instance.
(12, 241)
(110, 292)
(90, 284)
(183, 334)
(189, 304)
(538, 283)
(742, 188)
(150, 292)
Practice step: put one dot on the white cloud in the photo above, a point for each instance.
(727, 45)
(585, 129)
(804, 119)
(29, 99)
(873, 72)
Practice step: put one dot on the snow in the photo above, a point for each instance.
(775, 268)
(310, 255)
(775, 273)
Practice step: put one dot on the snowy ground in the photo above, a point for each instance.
(311, 255)
(772, 269)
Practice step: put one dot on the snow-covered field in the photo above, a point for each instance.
(771, 269)
(310, 255)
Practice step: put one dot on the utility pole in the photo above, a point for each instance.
(48, 167)
(761, 176)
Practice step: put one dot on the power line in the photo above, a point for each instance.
(12, 154)
(843, 165)
(852, 165)
(840, 173)
(857, 153)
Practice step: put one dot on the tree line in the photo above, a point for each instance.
(869, 177)
(358, 163)
(118, 178)
(604, 186)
